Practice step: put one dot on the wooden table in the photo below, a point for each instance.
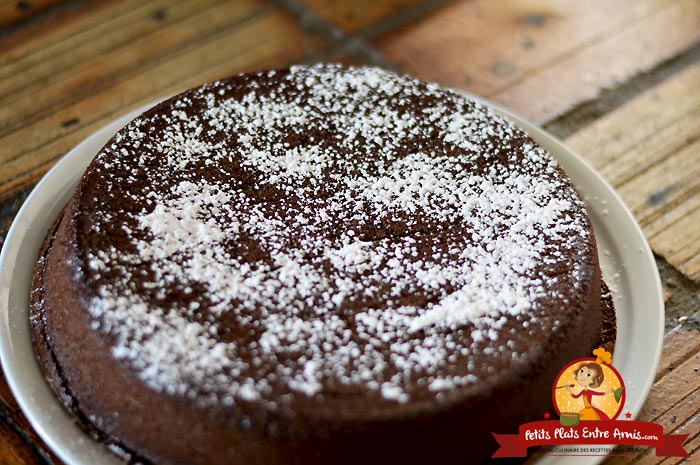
(618, 81)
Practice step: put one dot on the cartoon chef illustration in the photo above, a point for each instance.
(589, 375)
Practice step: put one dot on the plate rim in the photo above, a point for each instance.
(62, 177)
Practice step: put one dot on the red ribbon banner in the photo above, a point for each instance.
(613, 432)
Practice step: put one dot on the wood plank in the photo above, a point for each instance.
(13, 449)
(666, 184)
(648, 150)
(673, 388)
(482, 46)
(53, 48)
(13, 12)
(6, 397)
(666, 187)
(45, 40)
(691, 265)
(674, 400)
(692, 444)
(541, 59)
(644, 130)
(109, 58)
(264, 40)
(679, 344)
(582, 76)
(10, 412)
(670, 213)
(680, 249)
(681, 413)
(350, 17)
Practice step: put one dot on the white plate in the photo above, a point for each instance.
(626, 260)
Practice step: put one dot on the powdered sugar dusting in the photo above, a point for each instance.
(325, 231)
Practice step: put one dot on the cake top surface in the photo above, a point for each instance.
(326, 232)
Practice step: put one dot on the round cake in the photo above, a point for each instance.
(322, 264)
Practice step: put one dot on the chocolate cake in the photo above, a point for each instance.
(322, 264)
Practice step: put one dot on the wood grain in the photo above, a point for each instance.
(15, 451)
(541, 59)
(648, 150)
(134, 65)
(581, 76)
(13, 12)
(10, 413)
(674, 400)
(6, 397)
(351, 16)
(95, 58)
(680, 344)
